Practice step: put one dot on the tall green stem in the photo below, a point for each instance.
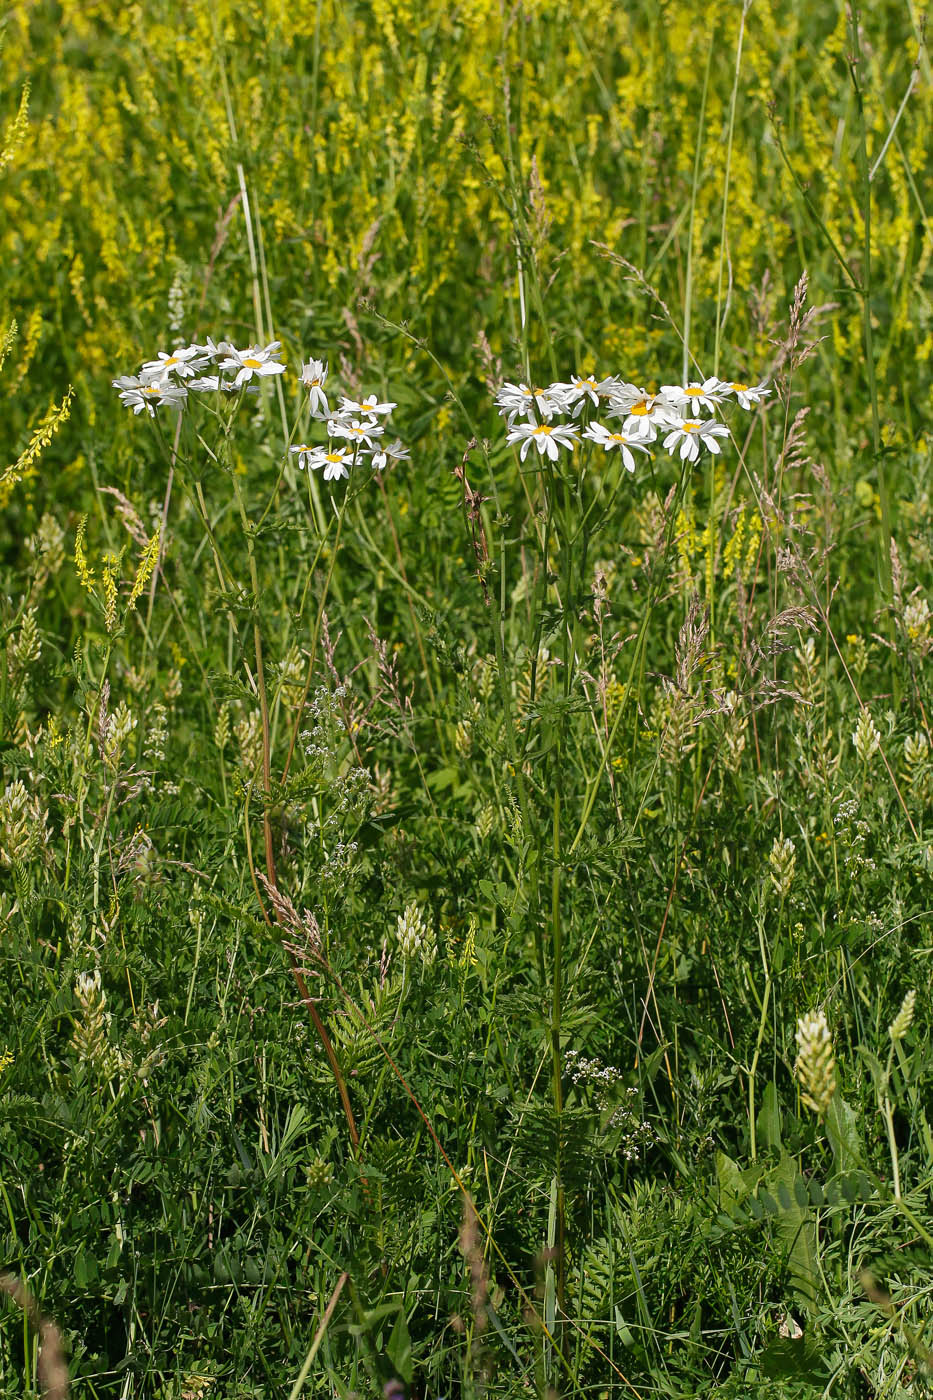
(855, 62)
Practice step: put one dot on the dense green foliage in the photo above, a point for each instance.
(411, 887)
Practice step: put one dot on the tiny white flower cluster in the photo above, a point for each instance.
(324, 710)
(634, 1134)
(168, 380)
(684, 415)
(354, 432)
(584, 1071)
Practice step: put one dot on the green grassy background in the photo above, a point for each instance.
(367, 183)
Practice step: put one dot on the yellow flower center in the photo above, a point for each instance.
(151, 389)
(691, 427)
(642, 408)
(253, 364)
(695, 391)
(542, 430)
(617, 437)
(334, 456)
(739, 388)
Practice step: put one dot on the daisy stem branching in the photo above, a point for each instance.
(592, 783)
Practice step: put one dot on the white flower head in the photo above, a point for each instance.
(336, 461)
(216, 352)
(747, 395)
(364, 434)
(692, 434)
(646, 417)
(304, 453)
(388, 452)
(548, 438)
(623, 397)
(209, 383)
(609, 441)
(583, 389)
(690, 397)
(185, 362)
(148, 395)
(314, 377)
(514, 400)
(369, 406)
(256, 360)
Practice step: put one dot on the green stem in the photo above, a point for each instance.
(855, 61)
(82, 789)
(557, 955)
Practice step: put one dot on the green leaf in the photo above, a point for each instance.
(842, 1131)
(398, 1348)
(797, 1228)
(768, 1122)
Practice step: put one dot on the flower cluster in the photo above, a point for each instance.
(816, 1063)
(197, 369)
(355, 429)
(354, 432)
(682, 416)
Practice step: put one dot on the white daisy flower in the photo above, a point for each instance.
(582, 389)
(692, 434)
(207, 383)
(185, 362)
(514, 400)
(389, 452)
(623, 396)
(645, 416)
(747, 395)
(364, 434)
(216, 352)
(370, 405)
(689, 397)
(256, 360)
(547, 438)
(608, 441)
(304, 453)
(144, 394)
(336, 461)
(314, 377)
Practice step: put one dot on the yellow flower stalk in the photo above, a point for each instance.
(55, 416)
(145, 569)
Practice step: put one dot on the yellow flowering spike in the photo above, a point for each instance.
(41, 437)
(144, 572)
(85, 572)
(9, 335)
(31, 338)
(109, 567)
(16, 129)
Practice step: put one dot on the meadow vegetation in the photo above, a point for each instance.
(465, 889)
